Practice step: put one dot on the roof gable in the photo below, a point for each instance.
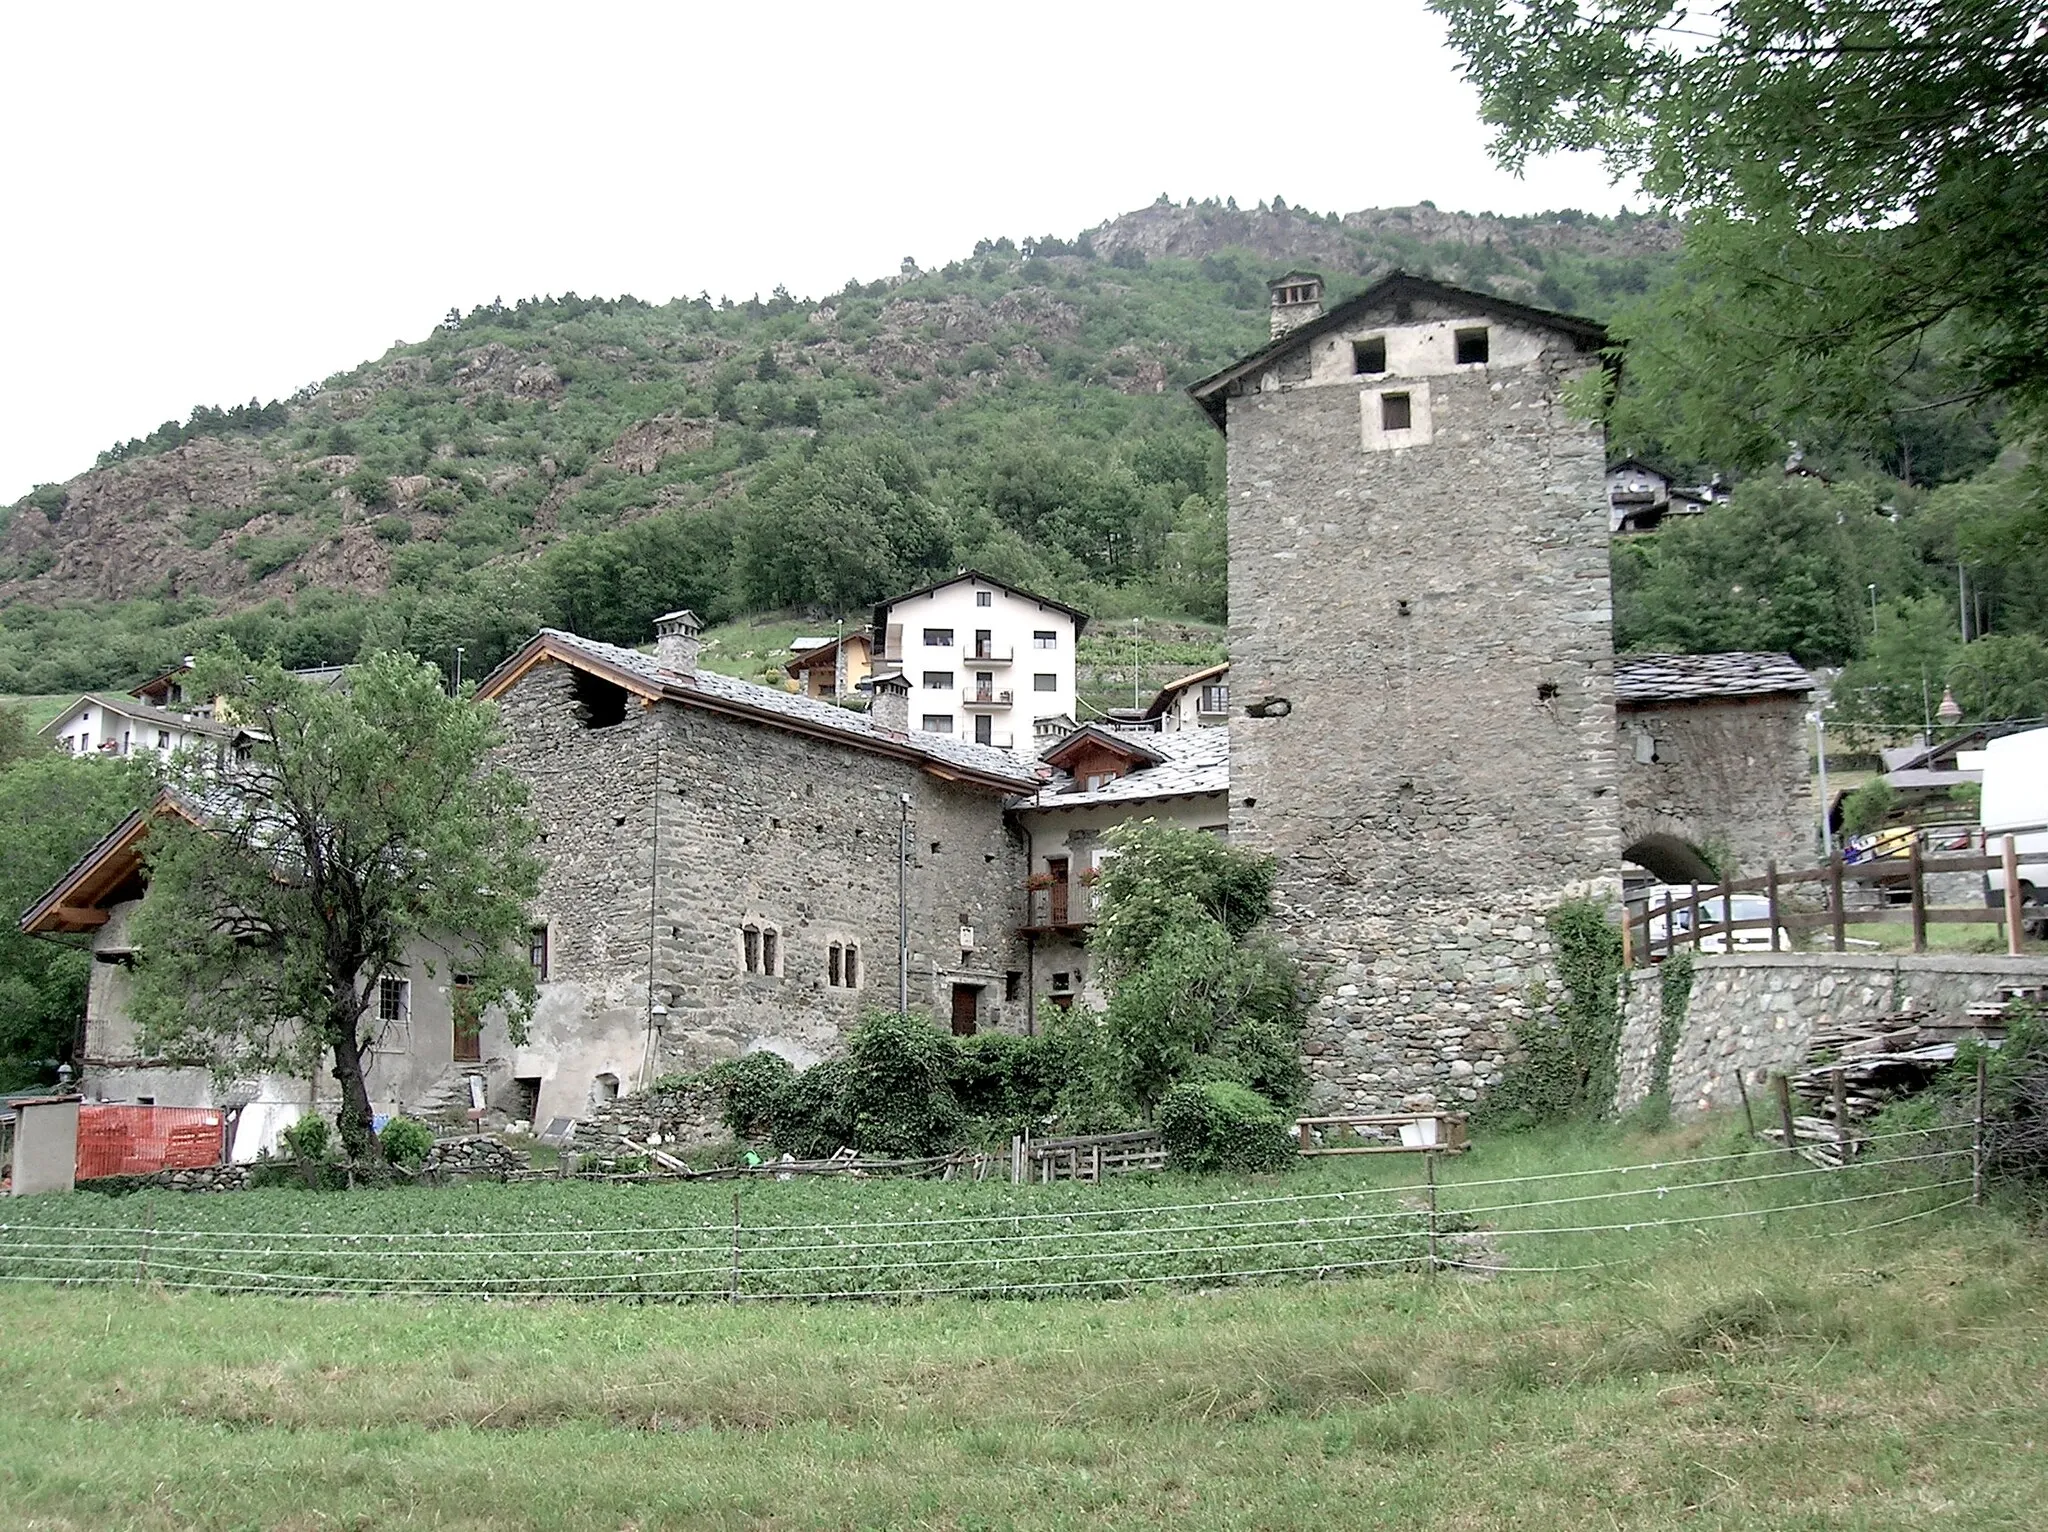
(78, 900)
(882, 607)
(1213, 392)
(1094, 740)
(1646, 678)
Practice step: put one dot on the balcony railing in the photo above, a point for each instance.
(990, 656)
(987, 699)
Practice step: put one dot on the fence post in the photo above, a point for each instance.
(1919, 893)
(1771, 887)
(733, 1293)
(2009, 854)
(1783, 1087)
(1747, 1115)
(1835, 902)
(1429, 1174)
(149, 1228)
(1977, 1138)
(1840, 1093)
(1692, 929)
(1628, 949)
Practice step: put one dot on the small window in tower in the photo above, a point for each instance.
(1395, 412)
(1471, 346)
(1369, 355)
(769, 964)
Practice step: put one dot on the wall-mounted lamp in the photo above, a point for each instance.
(657, 1016)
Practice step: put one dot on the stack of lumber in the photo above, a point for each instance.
(1856, 1068)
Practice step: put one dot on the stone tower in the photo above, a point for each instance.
(1421, 654)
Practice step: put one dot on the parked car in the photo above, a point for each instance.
(1713, 912)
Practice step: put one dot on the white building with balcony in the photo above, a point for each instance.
(985, 660)
(1199, 700)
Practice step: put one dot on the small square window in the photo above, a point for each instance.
(1471, 346)
(984, 598)
(1369, 355)
(938, 723)
(1045, 638)
(1041, 681)
(1061, 982)
(392, 997)
(1396, 413)
(938, 680)
(938, 638)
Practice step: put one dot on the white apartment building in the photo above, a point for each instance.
(99, 724)
(985, 660)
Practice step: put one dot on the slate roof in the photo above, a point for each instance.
(1163, 698)
(1196, 761)
(1697, 677)
(770, 706)
(1212, 392)
(140, 712)
(882, 608)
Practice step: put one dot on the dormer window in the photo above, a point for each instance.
(1300, 292)
(1471, 346)
(1369, 356)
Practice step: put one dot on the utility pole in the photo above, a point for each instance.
(458, 672)
(1873, 611)
(903, 906)
(1136, 701)
(1820, 754)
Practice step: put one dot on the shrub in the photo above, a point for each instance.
(900, 1086)
(1005, 1080)
(1869, 807)
(753, 1091)
(369, 486)
(308, 1138)
(1221, 1125)
(392, 529)
(406, 1142)
(816, 1118)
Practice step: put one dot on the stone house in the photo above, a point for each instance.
(722, 866)
(1423, 667)
(986, 659)
(417, 1063)
(1713, 764)
(1198, 700)
(1105, 778)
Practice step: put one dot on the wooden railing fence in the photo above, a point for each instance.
(1654, 933)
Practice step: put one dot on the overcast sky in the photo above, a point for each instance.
(209, 202)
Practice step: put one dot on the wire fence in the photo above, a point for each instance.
(1573, 1220)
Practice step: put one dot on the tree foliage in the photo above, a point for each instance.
(367, 817)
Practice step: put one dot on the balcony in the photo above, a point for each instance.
(989, 655)
(990, 701)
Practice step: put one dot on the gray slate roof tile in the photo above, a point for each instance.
(1691, 677)
(1197, 761)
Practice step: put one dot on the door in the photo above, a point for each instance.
(468, 1026)
(984, 729)
(1056, 869)
(966, 1009)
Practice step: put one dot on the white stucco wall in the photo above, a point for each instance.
(1011, 622)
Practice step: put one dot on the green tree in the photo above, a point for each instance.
(52, 809)
(17, 740)
(1861, 178)
(1195, 983)
(367, 816)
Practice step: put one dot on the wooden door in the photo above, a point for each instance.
(1056, 869)
(469, 1027)
(966, 1009)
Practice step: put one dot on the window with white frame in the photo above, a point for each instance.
(938, 723)
(1045, 638)
(938, 638)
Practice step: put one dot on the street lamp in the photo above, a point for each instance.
(1873, 611)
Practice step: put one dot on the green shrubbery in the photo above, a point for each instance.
(1567, 1063)
(406, 1142)
(1219, 1125)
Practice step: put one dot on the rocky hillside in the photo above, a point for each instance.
(514, 430)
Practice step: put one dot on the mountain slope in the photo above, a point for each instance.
(573, 459)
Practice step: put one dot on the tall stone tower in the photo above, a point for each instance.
(1421, 655)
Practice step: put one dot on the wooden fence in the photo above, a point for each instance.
(1088, 1158)
(1655, 933)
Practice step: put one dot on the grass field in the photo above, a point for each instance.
(1804, 1370)
(37, 711)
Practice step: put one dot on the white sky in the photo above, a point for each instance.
(208, 202)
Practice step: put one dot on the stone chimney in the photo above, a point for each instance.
(891, 706)
(675, 641)
(1296, 299)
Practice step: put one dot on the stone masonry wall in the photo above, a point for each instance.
(1753, 1015)
(1728, 777)
(667, 832)
(1438, 618)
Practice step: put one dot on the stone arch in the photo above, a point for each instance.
(1670, 859)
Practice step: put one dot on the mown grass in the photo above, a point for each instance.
(38, 710)
(1795, 1372)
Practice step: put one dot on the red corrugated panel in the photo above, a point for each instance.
(141, 1140)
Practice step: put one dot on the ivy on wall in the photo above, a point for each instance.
(1674, 998)
(1567, 1066)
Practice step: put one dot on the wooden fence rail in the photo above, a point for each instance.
(1655, 933)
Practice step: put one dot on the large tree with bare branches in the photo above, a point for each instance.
(363, 816)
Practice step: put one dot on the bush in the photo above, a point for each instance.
(900, 1079)
(816, 1118)
(1221, 1125)
(406, 1142)
(392, 529)
(308, 1139)
(753, 1092)
(1869, 807)
(1007, 1081)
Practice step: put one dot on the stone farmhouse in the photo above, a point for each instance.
(986, 661)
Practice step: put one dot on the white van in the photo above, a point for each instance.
(2015, 803)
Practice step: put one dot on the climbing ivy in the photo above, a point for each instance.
(1674, 997)
(1566, 1066)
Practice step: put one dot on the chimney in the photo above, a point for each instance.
(891, 706)
(676, 642)
(1296, 299)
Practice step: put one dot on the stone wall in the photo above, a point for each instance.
(206, 1178)
(661, 1119)
(667, 833)
(1437, 617)
(1752, 1015)
(1727, 777)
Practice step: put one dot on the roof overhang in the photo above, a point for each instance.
(1094, 736)
(1213, 392)
(80, 899)
(882, 607)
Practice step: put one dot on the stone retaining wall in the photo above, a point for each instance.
(1752, 1015)
(209, 1178)
(660, 1119)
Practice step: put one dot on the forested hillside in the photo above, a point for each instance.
(589, 462)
